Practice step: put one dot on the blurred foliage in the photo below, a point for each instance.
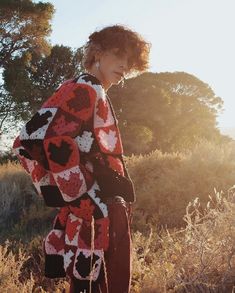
(172, 111)
(197, 258)
(23, 212)
(166, 182)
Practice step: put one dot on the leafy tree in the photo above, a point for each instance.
(24, 26)
(176, 108)
(32, 78)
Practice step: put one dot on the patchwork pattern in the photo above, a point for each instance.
(54, 148)
(73, 227)
(55, 242)
(62, 153)
(84, 259)
(72, 238)
(103, 114)
(101, 234)
(109, 139)
(80, 102)
(39, 175)
(69, 258)
(71, 183)
(93, 194)
(37, 126)
(64, 124)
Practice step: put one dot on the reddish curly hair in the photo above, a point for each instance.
(125, 40)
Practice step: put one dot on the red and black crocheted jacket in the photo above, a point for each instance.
(73, 151)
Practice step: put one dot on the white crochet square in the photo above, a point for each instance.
(108, 140)
(72, 218)
(40, 132)
(97, 200)
(68, 258)
(84, 141)
(96, 267)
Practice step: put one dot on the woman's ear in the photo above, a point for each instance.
(98, 55)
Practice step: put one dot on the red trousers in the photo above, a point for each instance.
(118, 257)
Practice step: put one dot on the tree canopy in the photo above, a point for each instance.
(24, 28)
(168, 111)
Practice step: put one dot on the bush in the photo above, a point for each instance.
(165, 183)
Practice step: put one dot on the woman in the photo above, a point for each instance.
(73, 151)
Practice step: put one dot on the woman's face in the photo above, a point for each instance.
(113, 66)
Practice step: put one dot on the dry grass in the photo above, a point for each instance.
(196, 256)
(15, 189)
(10, 271)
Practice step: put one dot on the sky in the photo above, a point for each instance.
(194, 36)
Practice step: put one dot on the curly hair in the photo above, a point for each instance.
(125, 40)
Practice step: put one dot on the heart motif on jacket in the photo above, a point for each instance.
(85, 141)
(108, 140)
(56, 239)
(103, 109)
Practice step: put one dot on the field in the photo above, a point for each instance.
(183, 229)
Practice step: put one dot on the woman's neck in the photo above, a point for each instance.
(98, 74)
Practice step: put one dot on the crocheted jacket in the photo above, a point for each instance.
(54, 147)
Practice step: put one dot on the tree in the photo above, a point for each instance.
(24, 26)
(32, 78)
(177, 108)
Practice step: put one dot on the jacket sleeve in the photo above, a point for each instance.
(32, 167)
(109, 167)
(49, 140)
(111, 180)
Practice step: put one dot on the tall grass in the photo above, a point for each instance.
(10, 271)
(16, 191)
(198, 258)
(183, 228)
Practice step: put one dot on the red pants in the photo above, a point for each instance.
(118, 258)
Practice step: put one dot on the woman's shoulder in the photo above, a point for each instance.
(92, 81)
(83, 85)
(89, 78)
